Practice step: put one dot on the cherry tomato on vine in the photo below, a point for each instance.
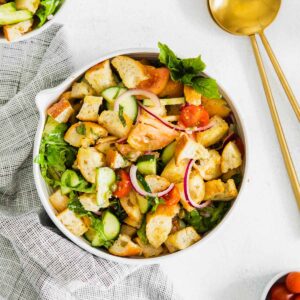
(193, 115)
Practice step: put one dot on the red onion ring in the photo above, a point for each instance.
(172, 126)
(138, 189)
(186, 187)
(121, 141)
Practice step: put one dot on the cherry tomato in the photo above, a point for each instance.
(292, 282)
(123, 185)
(280, 292)
(173, 197)
(240, 145)
(192, 115)
(297, 297)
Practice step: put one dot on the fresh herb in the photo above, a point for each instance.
(46, 9)
(76, 206)
(80, 129)
(155, 201)
(116, 208)
(121, 115)
(188, 71)
(208, 218)
(141, 232)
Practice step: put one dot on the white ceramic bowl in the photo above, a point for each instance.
(45, 98)
(35, 31)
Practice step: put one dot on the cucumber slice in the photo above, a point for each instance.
(105, 178)
(65, 190)
(168, 153)
(70, 179)
(111, 225)
(143, 203)
(90, 234)
(147, 165)
(97, 240)
(170, 101)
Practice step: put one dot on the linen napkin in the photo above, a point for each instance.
(36, 261)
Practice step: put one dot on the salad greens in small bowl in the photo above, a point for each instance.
(22, 19)
(139, 156)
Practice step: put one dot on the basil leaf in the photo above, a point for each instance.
(81, 129)
(121, 115)
(141, 232)
(207, 87)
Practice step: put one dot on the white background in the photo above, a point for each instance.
(262, 236)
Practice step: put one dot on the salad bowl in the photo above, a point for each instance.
(47, 97)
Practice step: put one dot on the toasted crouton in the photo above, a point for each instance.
(217, 107)
(173, 89)
(104, 144)
(100, 77)
(15, 31)
(111, 122)
(191, 95)
(84, 134)
(211, 168)
(196, 189)
(188, 148)
(157, 183)
(31, 5)
(59, 201)
(81, 89)
(131, 207)
(213, 134)
(66, 96)
(217, 190)
(148, 250)
(115, 160)
(159, 224)
(132, 222)
(182, 239)
(174, 172)
(73, 223)
(88, 160)
(90, 108)
(128, 152)
(123, 246)
(131, 71)
(61, 111)
(231, 157)
(89, 202)
(128, 230)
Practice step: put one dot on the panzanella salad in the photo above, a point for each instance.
(18, 17)
(143, 156)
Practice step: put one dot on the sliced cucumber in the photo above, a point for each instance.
(90, 234)
(111, 225)
(70, 178)
(143, 203)
(105, 178)
(147, 164)
(170, 101)
(98, 240)
(111, 94)
(168, 153)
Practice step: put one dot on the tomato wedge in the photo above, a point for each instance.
(123, 185)
(293, 282)
(193, 115)
(173, 197)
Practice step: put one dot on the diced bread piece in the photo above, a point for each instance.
(88, 160)
(148, 250)
(132, 222)
(100, 77)
(31, 5)
(90, 108)
(213, 134)
(123, 246)
(231, 157)
(173, 89)
(187, 148)
(15, 31)
(159, 224)
(73, 223)
(67, 96)
(81, 89)
(217, 190)
(211, 168)
(115, 160)
(175, 172)
(104, 144)
(61, 111)
(59, 201)
(131, 71)
(182, 239)
(128, 152)
(157, 183)
(111, 122)
(131, 207)
(128, 230)
(84, 134)
(217, 107)
(191, 95)
(89, 202)
(196, 189)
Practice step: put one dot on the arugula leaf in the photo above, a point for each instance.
(188, 71)
(141, 232)
(121, 115)
(46, 9)
(81, 129)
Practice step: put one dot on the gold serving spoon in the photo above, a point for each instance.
(251, 17)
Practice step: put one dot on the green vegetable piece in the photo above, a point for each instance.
(10, 15)
(143, 203)
(90, 234)
(168, 153)
(121, 115)
(141, 232)
(147, 164)
(31, 5)
(81, 129)
(46, 9)
(70, 179)
(111, 225)
(105, 179)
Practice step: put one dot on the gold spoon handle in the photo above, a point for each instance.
(280, 75)
(280, 135)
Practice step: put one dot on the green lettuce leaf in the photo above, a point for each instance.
(141, 232)
(47, 8)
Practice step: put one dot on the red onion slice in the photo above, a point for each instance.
(172, 126)
(186, 187)
(142, 192)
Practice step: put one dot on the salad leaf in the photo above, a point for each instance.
(141, 232)
(47, 8)
(81, 129)
(238, 178)
(117, 209)
(188, 71)
(97, 225)
(121, 115)
(76, 206)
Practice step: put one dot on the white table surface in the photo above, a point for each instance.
(262, 237)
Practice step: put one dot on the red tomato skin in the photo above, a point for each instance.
(297, 297)
(173, 197)
(124, 185)
(292, 282)
(240, 145)
(193, 115)
(280, 292)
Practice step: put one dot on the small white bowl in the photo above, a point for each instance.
(45, 98)
(35, 31)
